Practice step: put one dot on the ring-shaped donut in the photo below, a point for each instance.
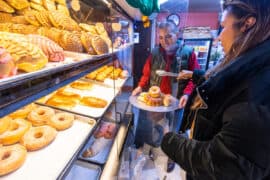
(38, 137)
(11, 158)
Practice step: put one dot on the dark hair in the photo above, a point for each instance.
(251, 37)
(259, 32)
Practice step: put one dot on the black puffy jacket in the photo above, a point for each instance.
(231, 138)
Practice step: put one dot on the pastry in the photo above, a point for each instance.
(4, 7)
(99, 45)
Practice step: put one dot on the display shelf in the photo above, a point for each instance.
(20, 92)
(111, 167)
(41, 164)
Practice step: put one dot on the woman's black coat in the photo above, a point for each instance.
(231, 138)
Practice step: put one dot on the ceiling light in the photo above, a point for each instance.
(162, 1)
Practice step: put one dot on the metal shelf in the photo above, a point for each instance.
(19, 92)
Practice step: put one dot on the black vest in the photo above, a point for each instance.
(180, 62)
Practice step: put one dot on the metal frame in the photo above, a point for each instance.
(22, 92)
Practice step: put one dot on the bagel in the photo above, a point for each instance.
(11, 158)
(38, 137)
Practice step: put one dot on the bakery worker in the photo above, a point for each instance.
(229, 113)
(169, 56)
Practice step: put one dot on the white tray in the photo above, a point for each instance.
(118, 83)
(48, 163)
(141, 105)
(105, 93)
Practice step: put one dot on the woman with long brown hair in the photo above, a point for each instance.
(229, 113)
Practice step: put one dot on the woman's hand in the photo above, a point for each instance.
(136, 91)
(183, 101)
(185, 74)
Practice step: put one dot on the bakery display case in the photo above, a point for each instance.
(65, 75)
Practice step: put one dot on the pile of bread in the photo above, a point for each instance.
(154, 97)
(66, 98)
(54, 31)
(29, 129)
(107, 72)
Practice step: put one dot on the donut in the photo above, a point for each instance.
(82, 85)
(15, 131)
(151, 101)
(23, 112)
(61, 121)
(38, 137)
(11, 158)
(40, 115)
(4, 123)
(154, 92)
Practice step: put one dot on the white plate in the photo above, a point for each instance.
(141, 105)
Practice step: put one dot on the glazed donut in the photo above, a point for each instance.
(151, 101)
(4, 123)
(38, 137)
(61, 121)
(82, 85)
(11, 158)
(23, 112)
(40, 115)
(154, 92)
(15, 131)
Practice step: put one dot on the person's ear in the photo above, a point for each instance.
(248, 24)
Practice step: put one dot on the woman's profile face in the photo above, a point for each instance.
(167, 39)
(229, 32)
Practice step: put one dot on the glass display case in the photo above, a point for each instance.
(65, 68)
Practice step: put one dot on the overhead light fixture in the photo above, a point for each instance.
(106, 2)
(162, 1)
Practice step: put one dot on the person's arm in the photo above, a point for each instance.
(146, 72)
(145, 76)
(228, 154)
(192, 65)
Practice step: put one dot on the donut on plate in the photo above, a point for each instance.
(154, 92)
(38, 137)
(11, 158)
